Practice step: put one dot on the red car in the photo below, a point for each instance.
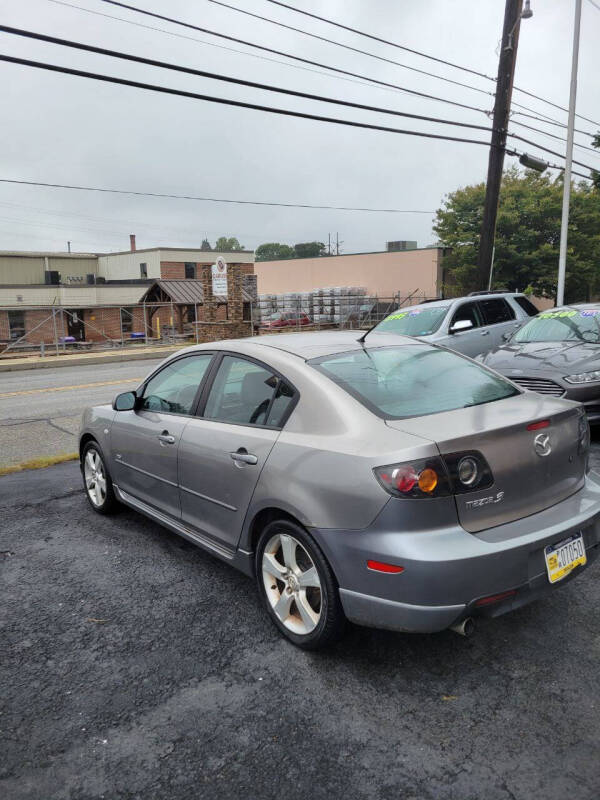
(285, 319)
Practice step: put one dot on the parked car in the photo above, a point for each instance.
(393, 483)
(284, 319)
(471, 325)
(556, 353)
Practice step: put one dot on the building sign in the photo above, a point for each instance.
(219, 276)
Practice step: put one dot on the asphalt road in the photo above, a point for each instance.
(136, 666)
(40, 409)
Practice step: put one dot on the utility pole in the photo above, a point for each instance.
(564, 224)
(337, 244)
(328, 244)
(504, 84)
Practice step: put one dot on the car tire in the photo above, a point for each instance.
(97, 482)
(297, 586)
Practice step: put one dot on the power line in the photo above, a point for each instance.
(207, 199)
(546, 120)
(228, 79)
(336, 70)
(546, 150)
(402, 47)
(236, 103)
(596, 6)
(593, 150)
(329, 41)
(382, 41)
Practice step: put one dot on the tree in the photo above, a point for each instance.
(273, 251)
(595, 173)
(226, 245)
(205, 245)
(527, 235)
(309, 249)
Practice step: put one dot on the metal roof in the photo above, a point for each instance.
(188, 291)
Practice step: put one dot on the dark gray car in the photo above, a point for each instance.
(392, 483)
(557, 353)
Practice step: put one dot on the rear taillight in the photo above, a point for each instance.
(584, 438)
(468, 471)
(455, 473)
(416, 479)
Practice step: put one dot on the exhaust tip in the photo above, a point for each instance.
(464, 628)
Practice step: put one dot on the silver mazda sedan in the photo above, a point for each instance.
(388, 481)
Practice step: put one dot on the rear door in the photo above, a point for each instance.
(223, 451)
(145, 441)
(499, 318)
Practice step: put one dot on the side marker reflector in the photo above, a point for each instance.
(379, 566)
(495, 598)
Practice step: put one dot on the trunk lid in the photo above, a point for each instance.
(524, 481)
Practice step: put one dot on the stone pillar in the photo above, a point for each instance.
(235, 302)
(210, 307)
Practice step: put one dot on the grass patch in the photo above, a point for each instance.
(39, 463)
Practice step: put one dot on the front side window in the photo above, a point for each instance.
(16, 324)
(413, 380)
(173, 390)
(413, 321)
(246, 393)
(468, 311)
(495, 311)
(561, 325)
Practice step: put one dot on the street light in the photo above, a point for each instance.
(527, 13)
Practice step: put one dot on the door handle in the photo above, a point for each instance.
(166, 438)
(485, 333)
(243, 456)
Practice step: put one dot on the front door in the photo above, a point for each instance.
(222, 453)
(75, 325)
(472, 341)
(145, 442)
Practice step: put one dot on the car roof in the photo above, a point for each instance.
(449, 301)
(322, 343)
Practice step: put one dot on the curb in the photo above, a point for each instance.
(76, 361)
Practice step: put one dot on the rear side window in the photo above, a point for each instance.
(413, 380)
(496, 310)
(248, 394)
(467, 311)
(527, 306)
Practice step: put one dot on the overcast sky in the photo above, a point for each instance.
(64, 129)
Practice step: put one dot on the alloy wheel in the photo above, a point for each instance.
(95, 477)
(292, 583)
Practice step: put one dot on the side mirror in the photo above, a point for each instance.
(506, 337)
(461, 325)
(126, 401)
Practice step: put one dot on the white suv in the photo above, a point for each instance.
(471, 325)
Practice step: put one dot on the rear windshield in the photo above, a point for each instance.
(413, 380)
(413, 321)
(562, 325)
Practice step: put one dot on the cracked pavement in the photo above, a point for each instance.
(134, 665)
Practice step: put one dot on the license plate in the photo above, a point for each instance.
(563, 557)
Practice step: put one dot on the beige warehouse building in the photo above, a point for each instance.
(384, 274)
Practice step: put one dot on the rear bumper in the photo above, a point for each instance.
(447, 570)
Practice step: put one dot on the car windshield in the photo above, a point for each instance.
(562, 325)
(276, 315)
(413, 321)
(413, 380)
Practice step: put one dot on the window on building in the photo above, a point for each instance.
(190, 313)
(127, 320)
(16, 324)
(190, 270)
(143, 270)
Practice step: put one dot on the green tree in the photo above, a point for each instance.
(310, 249)
(527, 235)
(274, 251)
(228, 245)
(595, 173)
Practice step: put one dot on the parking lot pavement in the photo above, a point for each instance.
(136, 666)
(40, 409)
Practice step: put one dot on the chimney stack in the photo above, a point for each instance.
(132, 242)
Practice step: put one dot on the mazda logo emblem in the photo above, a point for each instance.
(542, 445)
